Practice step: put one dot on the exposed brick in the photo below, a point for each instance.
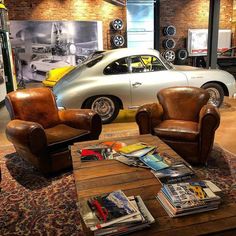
(184, 14)
(68, 10)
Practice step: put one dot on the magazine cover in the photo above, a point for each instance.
(132, 148)
(191, 191)
(102, 211)
(174, 173)
(154, 161)
(95, 154)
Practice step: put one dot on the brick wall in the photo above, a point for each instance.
(68, 10)
(186, 14)
(183, 14)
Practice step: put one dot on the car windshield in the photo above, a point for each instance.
(168, 64)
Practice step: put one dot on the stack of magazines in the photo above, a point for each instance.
(189, 198)
(141, 155)
(115, 214)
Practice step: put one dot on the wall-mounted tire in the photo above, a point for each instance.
(117, 24)
(182, 54)
(169, 30)
(169, 55)
(168, 43)
(117, 40)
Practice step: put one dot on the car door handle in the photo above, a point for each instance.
(136, 84)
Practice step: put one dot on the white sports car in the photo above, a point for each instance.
(46, 64)
(127, 78)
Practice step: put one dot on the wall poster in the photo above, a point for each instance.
(39, 46)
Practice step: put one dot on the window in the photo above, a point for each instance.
(152, 63)
(137, 64)
(146, 63)
(118, 67)
(93, 62)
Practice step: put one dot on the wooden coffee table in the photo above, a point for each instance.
(98, 177)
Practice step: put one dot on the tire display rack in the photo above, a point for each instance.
(169, 43)
(117, 40)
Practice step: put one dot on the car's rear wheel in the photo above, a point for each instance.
(107, 107)
(216, 93)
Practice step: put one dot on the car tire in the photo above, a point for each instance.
(107, 107)
(169, 55)
(117, 24)
(169, 30)
(168, 43)
(216, 93)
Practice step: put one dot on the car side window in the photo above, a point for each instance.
(117, 67)
(137, 65)
(146, 63)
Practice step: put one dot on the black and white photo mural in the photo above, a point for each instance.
(39, 46)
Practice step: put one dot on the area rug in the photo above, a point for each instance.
(34, 205)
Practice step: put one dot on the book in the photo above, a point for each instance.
(174, 173)
(95, 154)
(105, 210)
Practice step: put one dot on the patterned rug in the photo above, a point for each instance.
(34, 205)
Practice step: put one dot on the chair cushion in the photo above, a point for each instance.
(62, 135)
(177, 130)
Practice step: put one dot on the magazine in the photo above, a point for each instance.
(95, 154)
(131, 224)
(154, 161)
(105, 210)
(189, 198)
(130, 161)
(174, 173)
(190, 191)
(132, 148)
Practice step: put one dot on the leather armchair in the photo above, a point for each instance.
(41, 133)
(184, 120)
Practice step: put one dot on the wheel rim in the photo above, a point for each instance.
(214, 96)
(104, 106)
(170, 55)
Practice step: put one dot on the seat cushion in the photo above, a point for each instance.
(61, 136)
(177, 130)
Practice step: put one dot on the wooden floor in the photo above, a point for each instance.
(125, 124)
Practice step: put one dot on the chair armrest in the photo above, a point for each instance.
(209, 121)
(27, 134)
(85, 119)
(148, 116)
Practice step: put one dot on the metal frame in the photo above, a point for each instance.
(213, 29)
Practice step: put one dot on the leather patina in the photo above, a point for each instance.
(41, 133)
(184, 120)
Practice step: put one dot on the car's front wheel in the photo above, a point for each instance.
(107, 107)
(216, 93)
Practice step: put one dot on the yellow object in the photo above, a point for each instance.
(2, 6)
(53, 76)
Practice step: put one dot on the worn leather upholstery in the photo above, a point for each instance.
(41, 133)
(183, 120)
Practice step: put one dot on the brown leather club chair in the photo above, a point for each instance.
(183, 120)
(41, 133)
